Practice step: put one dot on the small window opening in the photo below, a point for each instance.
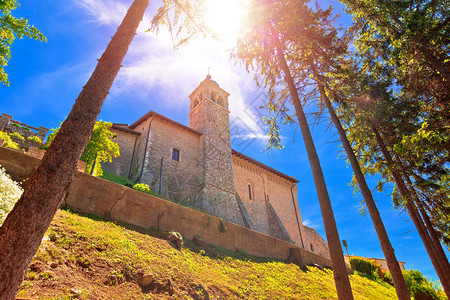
(176, 154)
(311, 246)
(249, 192)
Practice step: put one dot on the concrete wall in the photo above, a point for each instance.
(97, 196)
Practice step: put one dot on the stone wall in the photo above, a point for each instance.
(210, 116)
(6, 124)
(269, 187)
(97, 196)
(314, 242)
(39, 153)
(137, 164)
(180, 180)
(126, 140)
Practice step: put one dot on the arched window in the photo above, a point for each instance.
(250, 191)
(312, 248)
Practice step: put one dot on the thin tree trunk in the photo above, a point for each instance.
(413, 213)
(443, 261)
(341, 279)
(397, 277)
(25, 226)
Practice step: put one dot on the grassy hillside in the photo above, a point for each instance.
(90, 258)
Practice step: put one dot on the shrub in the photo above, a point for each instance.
(142, 187)
(8, 142)
(35, 139)
(17, 135)
(417, 283)
(367, 267)
(10, 192)
(15, 125)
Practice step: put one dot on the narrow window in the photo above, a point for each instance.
(249, 191)
(176, 154)
(312, 248)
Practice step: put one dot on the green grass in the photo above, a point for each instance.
(117, 179)
(105, 259)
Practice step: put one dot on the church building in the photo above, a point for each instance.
(196, 165)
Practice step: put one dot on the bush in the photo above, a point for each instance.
(35, 139)
(8, 142)
(419, 284)
(10, 192)
(145, 188)
(367, 267)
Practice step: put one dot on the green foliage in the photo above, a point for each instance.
(8, 142)
(17, 135)
(117, 179)
(118, 249)
(10, 28)
(100, 148)
(367, 267)
(417, 283)
(10, 192)
(35, 139)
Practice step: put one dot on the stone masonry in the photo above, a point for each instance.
(210, 116)
(195, 165)
(8, 125)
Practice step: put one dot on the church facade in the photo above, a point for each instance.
(196, 165)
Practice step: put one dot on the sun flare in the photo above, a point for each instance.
(226, 18)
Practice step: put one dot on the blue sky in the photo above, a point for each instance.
(47, 77)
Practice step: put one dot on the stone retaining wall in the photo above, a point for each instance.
(97, 196)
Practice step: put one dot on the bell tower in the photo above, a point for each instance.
(209, 115)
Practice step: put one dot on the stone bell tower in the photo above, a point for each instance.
(209, 115)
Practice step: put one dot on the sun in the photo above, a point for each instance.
(226, 18)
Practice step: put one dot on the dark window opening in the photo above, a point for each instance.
(312, 248)
(176, 154)
(249, 192)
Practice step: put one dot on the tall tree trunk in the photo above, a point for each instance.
(341, 279)
(25, 226)
(415, 217)
(434, 240)
(397, 277)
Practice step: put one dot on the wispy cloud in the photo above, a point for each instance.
(151, 63)
(106, 12)
(312, 224)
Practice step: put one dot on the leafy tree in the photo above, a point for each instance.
(10, 28)
(378, 120)
(270, 47)
(25, 226)
(411, 37)
(100, 147)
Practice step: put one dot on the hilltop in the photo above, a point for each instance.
(86, 257)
